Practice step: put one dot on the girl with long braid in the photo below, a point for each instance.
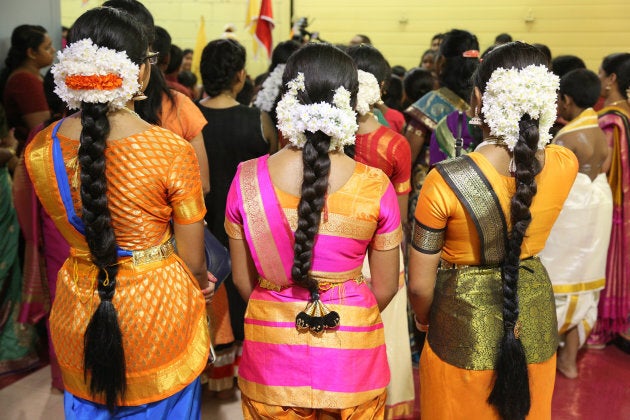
(475, 282)
(129, 320)
(300, 223)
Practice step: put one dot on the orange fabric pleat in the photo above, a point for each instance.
(448, 392)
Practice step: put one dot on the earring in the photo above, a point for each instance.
(139, 95)
(476, 120)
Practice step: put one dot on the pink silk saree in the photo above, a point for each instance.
(614, 301)
(338, 368)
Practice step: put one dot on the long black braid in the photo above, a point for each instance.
(325, 69)
(103, 354)
(510, 393)
(313, 197)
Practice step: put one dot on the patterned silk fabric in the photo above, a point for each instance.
(467, 308)
(390, 152)
(438, 204)
(152, 177)
(339, 368)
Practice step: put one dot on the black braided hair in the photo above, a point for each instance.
(510, 393)
(221, 60)
(23, 38)
(103, 355)
(325, 68)
(457, 70)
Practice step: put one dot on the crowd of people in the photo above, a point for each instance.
(469, 215)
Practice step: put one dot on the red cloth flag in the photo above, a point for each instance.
(264, 26)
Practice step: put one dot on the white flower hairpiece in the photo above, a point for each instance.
(89, 73)
(270, 89)
(337, 120)
(512, 93)
(369, 92)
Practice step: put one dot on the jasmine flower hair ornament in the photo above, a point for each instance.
(512, 93)
(337, 120)
(89, 73)
(369, 92)
(270, 89)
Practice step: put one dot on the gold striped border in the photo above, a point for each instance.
(427, 240)
(234, 230)
(303, 396)
(261, 237)
(387, 241)
(347, 340)
(354, 316)
(570, 311)
(579, 287)
(156, 384)
(338, 225)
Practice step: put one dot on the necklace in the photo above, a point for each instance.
(618, 102)
(124, 109)
(491, 141)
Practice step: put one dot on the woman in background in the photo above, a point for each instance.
(614, 120)
(125, 288)
(17, 339)
(456, 60)
(21, 84)
(475, 282)
(234, 133)
(314, 344)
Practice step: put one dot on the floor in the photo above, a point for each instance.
(602, 391)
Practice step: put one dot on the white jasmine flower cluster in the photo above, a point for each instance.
(337, 120)
(369, 92)
(95, 75)
(512, 93)
(270, 89)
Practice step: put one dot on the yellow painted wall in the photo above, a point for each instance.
(402, 29)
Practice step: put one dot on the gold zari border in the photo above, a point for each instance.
(427, 240)
(561, 289)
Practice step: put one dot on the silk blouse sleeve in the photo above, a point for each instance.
(233, 215)
(185, 194)
(435, 205)
(388, 233)
(401, 178)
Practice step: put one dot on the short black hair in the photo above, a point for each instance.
(417, 83)
(503, 38)
(582, 85)
(162, 44)
(399, 70)
(563, 64)
(371, 60)
(221, 60)
(623, 78)
(187, 78)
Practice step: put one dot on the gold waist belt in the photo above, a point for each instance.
(143, 256)
(323, 285)
(467, 315)
(153, 254)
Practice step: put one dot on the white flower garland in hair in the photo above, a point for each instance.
(369, 92)
(337, 120)
(270, 89)
(89, 73)
(512, 93)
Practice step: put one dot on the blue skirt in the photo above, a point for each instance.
(186, 404)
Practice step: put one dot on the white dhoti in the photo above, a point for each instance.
(400, 391)
(575, 253)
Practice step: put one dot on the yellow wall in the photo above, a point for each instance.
(402, 30)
